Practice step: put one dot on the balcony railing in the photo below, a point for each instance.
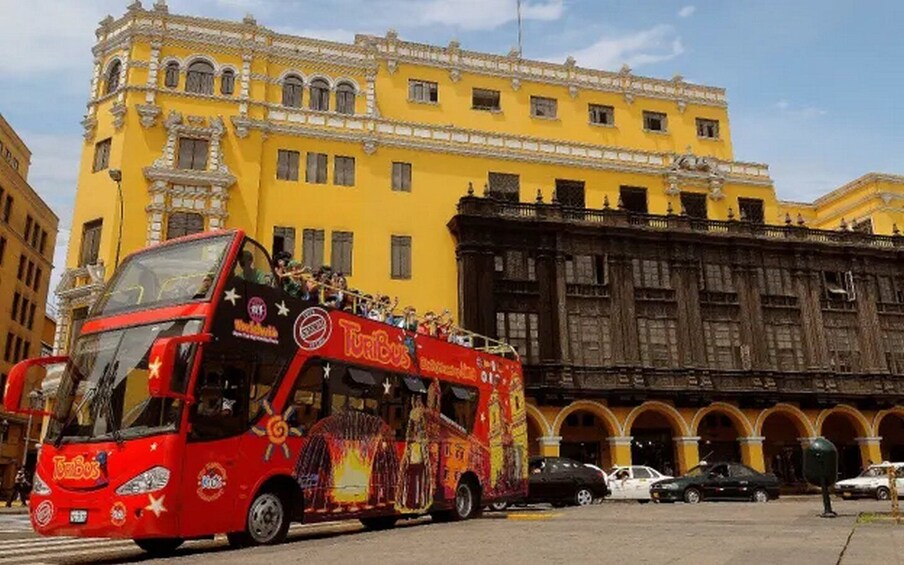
(476, 206)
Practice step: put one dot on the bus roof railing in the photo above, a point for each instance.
(453, 333)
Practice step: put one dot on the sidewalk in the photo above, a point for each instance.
(16, 508)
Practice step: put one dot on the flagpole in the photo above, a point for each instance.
(519, 28)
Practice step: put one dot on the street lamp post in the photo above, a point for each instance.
(116, 176)
(33, 398)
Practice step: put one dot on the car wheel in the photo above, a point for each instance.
(583, 497)
(760, 495)
(498, 506)
(882, 493)
(692, 496)
(159, 546)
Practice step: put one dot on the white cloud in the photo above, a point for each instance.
(802, 112)
(483, 14)
(687, 11)
(338, 34)
(659, 43)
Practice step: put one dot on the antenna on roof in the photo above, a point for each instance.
(520, 52)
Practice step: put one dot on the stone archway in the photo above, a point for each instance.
(846, 429)
(890, 427)
(537, 427)
(654, 427)
(784, 429)
(585, 429)
(719, 428)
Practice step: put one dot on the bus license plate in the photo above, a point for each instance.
(78, 516)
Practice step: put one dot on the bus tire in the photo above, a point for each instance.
(466, 504)
(159, 546)
(379, 522)
(267, 522)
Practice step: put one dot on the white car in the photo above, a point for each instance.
(633, 483)
(872, 483)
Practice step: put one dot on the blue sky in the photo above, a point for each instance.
(813, 86)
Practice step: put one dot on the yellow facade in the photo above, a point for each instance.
(28, 230)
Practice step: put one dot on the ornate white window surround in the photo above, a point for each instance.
(201, 191)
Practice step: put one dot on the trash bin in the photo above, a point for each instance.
(821, 468)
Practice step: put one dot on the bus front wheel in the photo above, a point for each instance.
(159, 546)
(267, 522)
(465, 506)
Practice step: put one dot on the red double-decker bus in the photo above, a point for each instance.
(202, 398)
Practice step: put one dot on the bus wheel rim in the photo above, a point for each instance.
(584, 497)
(266, 518)
(463, 501)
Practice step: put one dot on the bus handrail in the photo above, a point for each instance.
(454, 334)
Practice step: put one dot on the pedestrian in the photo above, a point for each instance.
(21, 488)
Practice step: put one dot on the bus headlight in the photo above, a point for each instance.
(151, 480)
(39, 487)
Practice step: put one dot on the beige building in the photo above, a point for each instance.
(28, 230)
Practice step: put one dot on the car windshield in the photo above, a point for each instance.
(874, 472)
(164, 276)
(103, 391)
(698, 471)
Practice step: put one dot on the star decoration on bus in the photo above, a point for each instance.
(326, 371)
(276, 429)
(154, 367)
(386, 387)
(281, 309)
(156, 505)
(231, 296)
(154, 446)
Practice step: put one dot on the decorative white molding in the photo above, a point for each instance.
(682, 440)
(620, 440)
(868, 440)
(148, 114)
(89, 125)
(550, 440)
(753, 440)
(118, 111)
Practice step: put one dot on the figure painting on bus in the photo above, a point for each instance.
(416, 482)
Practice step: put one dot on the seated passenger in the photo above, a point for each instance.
(287, 271)
(248, 271)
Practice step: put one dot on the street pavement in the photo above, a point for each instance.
(785, 531)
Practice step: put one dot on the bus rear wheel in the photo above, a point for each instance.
(379, 522)
(159, 546)
(465, 506)
(267, 522)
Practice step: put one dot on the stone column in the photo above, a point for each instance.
(687, 450)
(870, 449)
(549, 445)
(620, 450)
(752, 452)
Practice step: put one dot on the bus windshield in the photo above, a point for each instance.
(103, 391)
(165, 276)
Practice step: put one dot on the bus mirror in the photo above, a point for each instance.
(15, 384)
(162, 361)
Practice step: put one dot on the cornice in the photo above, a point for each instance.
(368, 51)
(189, 176)
(869, 178)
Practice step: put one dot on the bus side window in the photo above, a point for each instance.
(459, 404)
(396, 406)
(222, 407)
(354, 390)
(307, 397)
(266, 369)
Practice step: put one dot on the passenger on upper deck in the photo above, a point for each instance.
(248, 271)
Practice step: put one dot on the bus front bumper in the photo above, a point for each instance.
(96, 515)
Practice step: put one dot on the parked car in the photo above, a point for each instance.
(561, 482)
(633, 482)
(717, 481)
(872, 482)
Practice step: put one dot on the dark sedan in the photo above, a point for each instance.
(717, 481)
(561, 481)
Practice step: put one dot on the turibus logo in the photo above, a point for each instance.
(78, 469)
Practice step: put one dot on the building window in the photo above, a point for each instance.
(601, 115)
(341, 252)
(15, 309)
(315, 171)
(8, 350)
(863, 226)
(723, 343)
(320, 95)
(28, 224)
(312, 248)
(400, 247)
(655, 121)
(633, 199)
(570, 193)
(785, 347)
(287, 164)
(7, 208)
(588, 337)
(658, 339)
(893, 340)
(38, 274)
(171, 77)
(75, 327)
(90, 245)
(30, 273)
(693, 205)
(291, 91)
(718, 278)
(844, 349)
(521, 331)
(839, 285)
(401, 176)
(199, 78)
(777, 281)
(283, 240)
(751, 210)
(484, 99)
(651, 273)
(504, 186)
(102, 155)
(183, 223)
(345, 98)
(423, 91)
(516, 265)
(344, 171)
(31, 315)
(227, 82)
(21, 271)
(112, 78)
(586, 269)
(541, 107)
(2, 249)
(708, 129)
(891, 289)
(43, 244)
(192, 154)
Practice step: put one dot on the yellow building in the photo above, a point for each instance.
(356, 155)
(28, 230)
